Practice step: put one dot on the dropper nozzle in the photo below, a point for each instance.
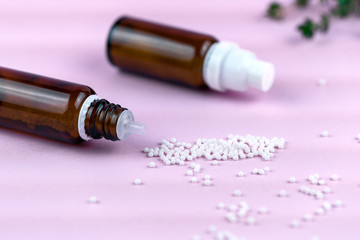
(136, 127)
(126, 125)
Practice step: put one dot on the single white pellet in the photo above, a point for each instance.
(152, 164)
(93, 200)
(173, 140)
(319, 195)
(237, 193)
(334, 177)
(267, 169)
(308, 217)
(150, 154)
(146, 150)
(321, 182)
(250, 220)
(220, 205)
(207, 182)
(319, 211)
(263, 210)
(255, 171)
(197, 169)
(189, 173)
(194, 180)
(261, 172)
(358, 136)
(282, 193)
(231, 217)
(325, 134)
(207, 176)
(295, 224)
(215, 162)
(326, 190)
(314, 181)
(240, 174)
(338, 203)
(327, 206)
(321, 82)
(292, 180)
(137, 181)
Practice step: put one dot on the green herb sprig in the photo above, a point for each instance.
(309, 27)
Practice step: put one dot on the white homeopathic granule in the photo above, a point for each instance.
(234, 147)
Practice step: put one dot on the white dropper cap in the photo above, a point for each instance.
(228, 67)
(126, 125)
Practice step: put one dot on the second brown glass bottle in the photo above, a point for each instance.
(187, 57)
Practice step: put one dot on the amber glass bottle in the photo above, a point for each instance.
(187, 57)
(60, 110)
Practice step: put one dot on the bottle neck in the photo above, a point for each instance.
(102, 120)
(98, 118)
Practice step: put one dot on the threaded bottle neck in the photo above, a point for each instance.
(101, 120)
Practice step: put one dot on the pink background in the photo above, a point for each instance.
(44, 184)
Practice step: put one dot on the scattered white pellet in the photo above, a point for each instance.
(321, 182)
(173, 140)
(146, 150)
(326, 190)
(240, 174)
(237, 193)
(261, 172)
(207, 176)
(319, 211)
(220, 205)
(263, 210)
(282, 193)
(308, 217)
(292, 180)
(250, 220)
(151, 154)
(137, 181)
(193, 165)
(327, 206)
(212, 228)
(93, 200)
(255, 171)
(215, 163)
(295, 223)
(358, 137)
(325, 134)
(319, 195)
(267, 169)
(321, 82)
(231, 217)
(190, 172)
(152, 164)
(338, 203)
(194, 180)
(314, 238)
(207, 182)
(334, 177)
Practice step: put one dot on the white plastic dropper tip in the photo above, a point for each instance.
(126, 125)
(261, 75)
(136, 128)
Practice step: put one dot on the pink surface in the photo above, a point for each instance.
(44, 184)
